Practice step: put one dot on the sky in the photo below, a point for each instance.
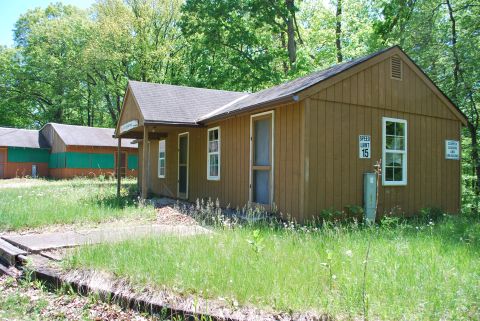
(12, 9)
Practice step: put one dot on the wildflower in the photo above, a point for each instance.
(349, 253)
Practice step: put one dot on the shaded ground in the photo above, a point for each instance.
(30, 301)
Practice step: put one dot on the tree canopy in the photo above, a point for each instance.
(71, 65)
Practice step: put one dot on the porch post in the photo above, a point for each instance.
(119, 158)
(145, 162)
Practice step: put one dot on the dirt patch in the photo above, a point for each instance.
(168, 215)
(28, 301)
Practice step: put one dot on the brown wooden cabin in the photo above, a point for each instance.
(301, 145)
(87, 151)
(23, 152)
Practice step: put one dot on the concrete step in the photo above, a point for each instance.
(9, 252)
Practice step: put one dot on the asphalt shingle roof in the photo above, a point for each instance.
(178, 104)
(187, 105)
(291, 88)
(15, 137)
(89, 136)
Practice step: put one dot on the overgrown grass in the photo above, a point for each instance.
(68, 202)
(425, 272)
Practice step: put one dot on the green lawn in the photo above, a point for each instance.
(40, 203)
(415, 272)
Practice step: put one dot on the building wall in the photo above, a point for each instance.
(337, 115)
(90, 161)
(316, 162)
(233, 187)
(18, 161)
(23, 169)
(53, 139)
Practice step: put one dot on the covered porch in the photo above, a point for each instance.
(147, 136)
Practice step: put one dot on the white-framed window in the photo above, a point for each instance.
(162, 158)
(394, 151)
(213, 154)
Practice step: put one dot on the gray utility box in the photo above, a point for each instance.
(369, 196)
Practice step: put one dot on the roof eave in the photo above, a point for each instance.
(170, 123)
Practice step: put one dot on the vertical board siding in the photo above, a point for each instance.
(433, 181)
(233, 187)
(316, 163)
(355, 106)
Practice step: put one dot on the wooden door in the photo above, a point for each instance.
(261, 159)
(123, 163)
(3, 162)
(182, 182)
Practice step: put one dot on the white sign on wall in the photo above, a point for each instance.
(129, 125)
(364, 144)
(452, 149)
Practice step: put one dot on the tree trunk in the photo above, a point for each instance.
(473, 123)
(456, 60)
(476, 162)
(291, 44)
(338, 31)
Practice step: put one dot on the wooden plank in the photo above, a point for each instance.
(445, 171)
(311, 165)
(304, 156)
(338, 92)
(344, 158)
(278, 155)
(329, 154)
(237, 168)
(289, 167)
(368, 87)
(361, 88)
(388, 89)
(283, 161)
(375, 86)
(346, 90)
(381, 83)
(354, 89)
(352, 155)
(9, 252)
(296, 161)
(331, 93)
(321, 157)
(337, 156)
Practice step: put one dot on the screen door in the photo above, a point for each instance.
(261, 167)
(183, 165)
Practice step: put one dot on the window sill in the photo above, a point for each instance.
(394, 183)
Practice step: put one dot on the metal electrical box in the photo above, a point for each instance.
(369, 196)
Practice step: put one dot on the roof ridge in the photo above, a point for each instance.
(183, 86)
(80, 126)
(213, 112)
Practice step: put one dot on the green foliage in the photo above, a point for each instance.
(256, 242)
(77, 201)
(71, 65)
(415, 271)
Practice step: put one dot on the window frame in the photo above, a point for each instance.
(404, 153)
(164, 159)
(210, 177)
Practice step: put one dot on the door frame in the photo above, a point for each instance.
(178, 164)
(272, 185)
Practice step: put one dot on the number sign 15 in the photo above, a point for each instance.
(364, 144)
